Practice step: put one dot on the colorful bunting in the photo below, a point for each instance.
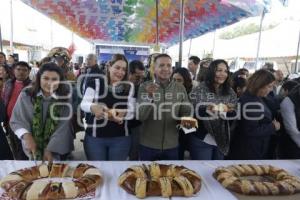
(134, 21)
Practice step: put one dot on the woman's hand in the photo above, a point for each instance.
(29, 143)
(276, 124)
(47, 156)
(210, 108)
(117, 115)
(99, 110)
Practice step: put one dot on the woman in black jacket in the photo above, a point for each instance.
(5, 152)
(256, 126)
(107, 102)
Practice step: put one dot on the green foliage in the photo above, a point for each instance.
(244, 30)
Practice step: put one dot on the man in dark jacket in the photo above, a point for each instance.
(11, 92)
(290, 111)
(92, 70)
(5, 152)
(136, 76)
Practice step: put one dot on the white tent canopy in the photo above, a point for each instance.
(280, 41)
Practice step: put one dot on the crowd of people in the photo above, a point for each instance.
(129, 111)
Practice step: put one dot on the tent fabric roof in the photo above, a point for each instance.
(134, 21)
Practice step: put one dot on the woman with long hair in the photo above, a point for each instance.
(212, 138)
(256, 126)
(106, 102)
(4, 76)
(183, 76)
(41, 116)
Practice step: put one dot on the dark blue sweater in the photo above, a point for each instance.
(252, 136)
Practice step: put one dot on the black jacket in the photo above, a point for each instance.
(111, 129)
(252, 137)
(5, 153)
(90, 75)
(295, 98)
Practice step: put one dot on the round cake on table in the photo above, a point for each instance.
(160, 180)
(31, 183)
(257, 180)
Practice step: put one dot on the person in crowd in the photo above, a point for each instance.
(5, 151)
(193, 66)
(203, 69)
(136, 72)
(212, 138)
(257, 125)
(288, 86)
(279, 77)
(244, 73)
(297, 79)
(4, 76)
(149, 75)
(241, 73)
(159, 138)
(92, 70)
(34, 70)
(2, 58)
(11, 91)
(61, 57)
(136, 76)
(10, 60)
(239, 86)
(272, 101)
(102, 66)
(268, 66)
(290, 111)
(183, 76)
(41, 116)
(108, 104)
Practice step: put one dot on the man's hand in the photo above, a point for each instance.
(151, 88)
(29, 143)
(187, 125)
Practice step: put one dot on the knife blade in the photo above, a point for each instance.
(34, 159)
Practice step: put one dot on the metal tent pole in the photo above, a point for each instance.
(11, 29)
(214, 44)
(51, 33)
(259, 38)
(157, 28)
(181, 31)
(190, 48)
(297, 55)
(1, 45)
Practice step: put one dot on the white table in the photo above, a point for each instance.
(111, 170)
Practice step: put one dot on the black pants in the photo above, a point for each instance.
(288, 149)
(15, 145)
(5, 152)
(183, 145)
